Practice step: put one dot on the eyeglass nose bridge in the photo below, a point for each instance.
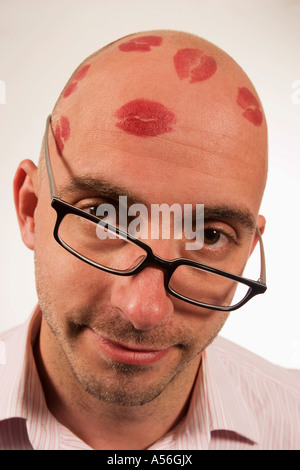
(152, 260)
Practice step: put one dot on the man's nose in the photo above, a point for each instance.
(142, 298)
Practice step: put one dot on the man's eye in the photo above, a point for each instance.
(211, 236)
(106, 212)
(101, 214)
(92, 210)
(216, 238)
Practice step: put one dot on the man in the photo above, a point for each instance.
(121, 352)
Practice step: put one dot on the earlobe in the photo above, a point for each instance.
(26, 197)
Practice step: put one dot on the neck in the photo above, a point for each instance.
(110, 426)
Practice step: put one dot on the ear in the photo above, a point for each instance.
(26, 197)
(261, 225)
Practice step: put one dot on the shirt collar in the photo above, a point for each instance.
(24, 398)
(217, 404)
(227, 407)
(17, 368)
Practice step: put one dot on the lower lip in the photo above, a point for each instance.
(116, 352)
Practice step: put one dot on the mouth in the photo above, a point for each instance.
(133, 354)
(145, 118)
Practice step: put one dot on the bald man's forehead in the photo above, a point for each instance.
(157, 67)
(154, 88)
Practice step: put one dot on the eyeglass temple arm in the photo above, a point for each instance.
(263, 277)
(52, 185)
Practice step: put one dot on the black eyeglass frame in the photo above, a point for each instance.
(63, 208)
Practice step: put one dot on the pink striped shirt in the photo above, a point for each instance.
(240, 401)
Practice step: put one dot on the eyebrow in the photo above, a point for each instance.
(105, 188)
(242, 216)
(220, 212)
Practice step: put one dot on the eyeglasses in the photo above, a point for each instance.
(122, 254)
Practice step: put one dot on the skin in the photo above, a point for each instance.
(213, 155)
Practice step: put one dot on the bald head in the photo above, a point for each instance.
(157, 89)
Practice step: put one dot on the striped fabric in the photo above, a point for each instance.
(240, 401)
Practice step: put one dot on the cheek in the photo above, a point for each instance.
(203, 324)
(63, 280)
(79, 285)
(207, 327)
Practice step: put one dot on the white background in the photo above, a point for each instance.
(42, 42)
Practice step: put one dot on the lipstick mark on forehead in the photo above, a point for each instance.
(142, 44)
(81, 73)
(70, 89)
(74, 82)
(61, 133)
(247, 101)
(194, 64)
(145, 118)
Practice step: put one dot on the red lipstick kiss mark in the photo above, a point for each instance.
(145, 118)
(77, 77)
(194, 64)
(62, 133)
(141, 44)
(250, 104)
